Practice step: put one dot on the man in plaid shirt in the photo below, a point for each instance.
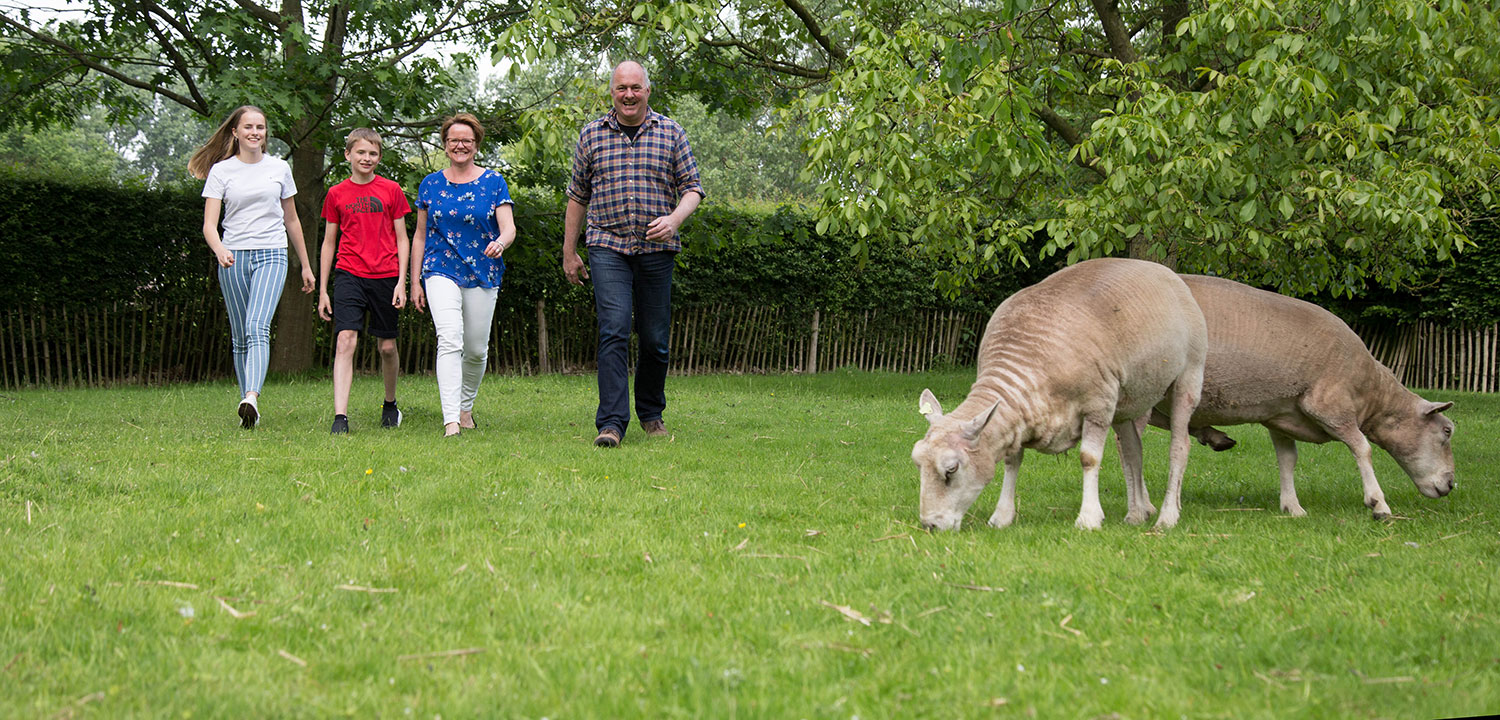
(635, 181)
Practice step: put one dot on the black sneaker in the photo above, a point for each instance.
(390, 416)
(340, 425)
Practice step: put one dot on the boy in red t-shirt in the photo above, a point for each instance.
(372, 256)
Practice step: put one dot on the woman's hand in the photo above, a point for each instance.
(225, 257)
(494, 249)
(309, 283)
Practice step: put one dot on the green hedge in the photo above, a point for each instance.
(1465, 292)
(71, 245)
(78, 245)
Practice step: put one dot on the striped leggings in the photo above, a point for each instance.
(251, 288)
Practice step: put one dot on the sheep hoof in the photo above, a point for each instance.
(1089, 521)
(1001, 521)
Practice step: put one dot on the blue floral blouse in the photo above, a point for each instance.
(460, 224)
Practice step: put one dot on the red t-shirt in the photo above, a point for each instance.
(364, 214)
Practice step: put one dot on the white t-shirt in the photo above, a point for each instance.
(252, 196)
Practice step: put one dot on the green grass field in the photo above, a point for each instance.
(764, 561)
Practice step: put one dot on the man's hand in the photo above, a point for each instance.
(398, 298)
(325, 308)
(662, 229)
(574, 268)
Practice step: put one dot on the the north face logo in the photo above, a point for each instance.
(369, 204)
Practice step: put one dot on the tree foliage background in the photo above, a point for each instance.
(1304, 145)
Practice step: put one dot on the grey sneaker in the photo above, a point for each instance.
(390, 416)
(655, 428)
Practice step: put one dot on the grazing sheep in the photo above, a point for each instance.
(1301, 372)
(1091, 347)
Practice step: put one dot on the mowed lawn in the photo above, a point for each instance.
(764, 561)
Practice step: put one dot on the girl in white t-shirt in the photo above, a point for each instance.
(254, 191)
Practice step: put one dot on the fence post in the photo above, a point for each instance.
(812, 346)
(545, 365)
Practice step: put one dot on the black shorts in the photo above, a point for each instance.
(353, 296)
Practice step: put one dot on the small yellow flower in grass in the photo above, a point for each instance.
(369, 471)
(742, 524)
(259, 507)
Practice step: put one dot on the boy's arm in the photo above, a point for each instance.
(403, 254)
(325, 268)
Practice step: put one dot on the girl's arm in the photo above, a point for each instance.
(211, 208)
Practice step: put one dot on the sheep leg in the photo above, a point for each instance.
(1090, 451)
(1005, 510)
(1128, 440)
(1286, 463)
(1185, 391)
(1346, 430)
(1374, 496)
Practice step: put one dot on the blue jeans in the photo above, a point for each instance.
(642, 285)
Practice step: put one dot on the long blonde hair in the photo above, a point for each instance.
(222, 145)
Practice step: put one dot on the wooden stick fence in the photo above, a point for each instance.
(157, 342)
(1426, 355)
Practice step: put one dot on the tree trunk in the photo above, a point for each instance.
(293, 349)
(308, 135)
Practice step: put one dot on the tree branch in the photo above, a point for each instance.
(177, 62)
(811, 23)
(1114, 29)
(92, 63)
(410, 45)
(183, 31)
(1067, 132)
(262, 14)
(762, 60)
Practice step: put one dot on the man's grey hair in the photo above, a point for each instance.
(644, 73)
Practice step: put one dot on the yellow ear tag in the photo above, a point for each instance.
(926, 409)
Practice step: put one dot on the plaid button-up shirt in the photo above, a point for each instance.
(627, 184)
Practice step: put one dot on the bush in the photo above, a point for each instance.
(84, 244)
(67, 244)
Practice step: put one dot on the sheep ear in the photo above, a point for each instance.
(1435, 408)
(972, 428)
(930, 407)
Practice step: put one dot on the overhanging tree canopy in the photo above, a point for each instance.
(1304, 144)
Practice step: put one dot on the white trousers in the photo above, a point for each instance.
(462, 317)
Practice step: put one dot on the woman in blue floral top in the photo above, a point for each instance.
(464, 225)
